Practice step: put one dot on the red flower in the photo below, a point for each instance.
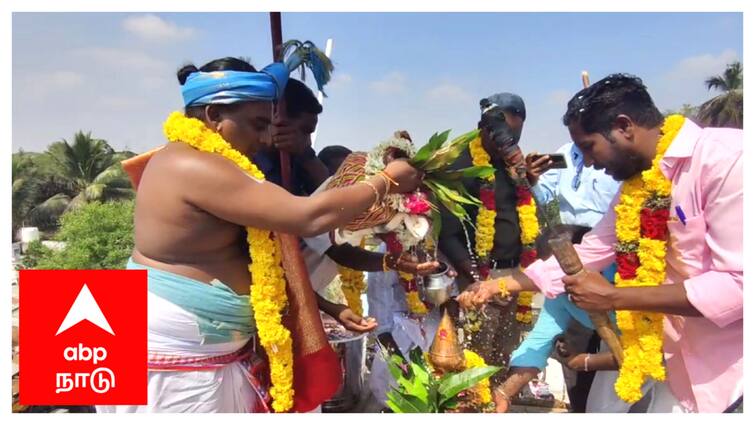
(523, 308)
(411, 285)
(487, 196)
(417, 204)
(653, 223)
(627, 264)
(392, 243)
(523, 195)
(527, 257)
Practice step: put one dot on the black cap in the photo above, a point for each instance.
(507, 101)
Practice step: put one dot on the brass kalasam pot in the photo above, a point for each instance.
(446, 354)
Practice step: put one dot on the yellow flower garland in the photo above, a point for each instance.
(268, 288)
(413, 302)
(352, 286)
(642, 332)
(484, 237)
(482, 389)
(485, 217)
(528, 224)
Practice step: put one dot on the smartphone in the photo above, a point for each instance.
(558, 159)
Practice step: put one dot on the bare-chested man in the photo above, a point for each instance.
(191, 210)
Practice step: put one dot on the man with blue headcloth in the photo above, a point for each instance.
(192, 208)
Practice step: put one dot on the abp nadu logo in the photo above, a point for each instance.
(82, 337)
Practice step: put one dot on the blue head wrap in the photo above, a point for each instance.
(225, 87)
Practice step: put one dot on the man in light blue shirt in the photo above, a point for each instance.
(583, 193)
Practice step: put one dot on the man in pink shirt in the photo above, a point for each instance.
(617, 126)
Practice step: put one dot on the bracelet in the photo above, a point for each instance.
(587, 357)
(387, 184)
(385, 263)
(384, 174)
(374, 189)
(502, 287)
(503, 393)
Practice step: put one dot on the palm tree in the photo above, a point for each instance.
(724, 110)
(25, 189)
(85, 170)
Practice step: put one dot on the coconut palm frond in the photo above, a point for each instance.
(717, 83)
(113, 175)
(725, 110)
(48, 212)
(83, 159)
(119, 193)
(78, 201)
(730, 80)
(94, 192)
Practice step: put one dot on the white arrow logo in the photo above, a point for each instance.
(85, 308)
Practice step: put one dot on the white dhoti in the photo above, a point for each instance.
(186, 375)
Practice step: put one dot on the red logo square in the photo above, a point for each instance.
(82, 337)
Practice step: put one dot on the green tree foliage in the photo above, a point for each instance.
(96, 236)
(727, 109)
(66, 176)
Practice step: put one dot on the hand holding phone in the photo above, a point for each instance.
(537, 164)
(549, 160)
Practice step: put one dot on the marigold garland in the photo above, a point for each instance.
(482, 389)
(352, 286)
(642, 236)
(268, 287)
(486, 213)
(528, 225)
(407, 280)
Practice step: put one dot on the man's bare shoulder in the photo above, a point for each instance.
(185, 162)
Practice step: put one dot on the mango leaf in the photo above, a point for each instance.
(405, 403)
(437, 224)
(420, 382)
(454, 195)
(451, 403)
(459, 188)
(393, 363)
(454, 208)
(436, 141)
(474, 172)
(453, 384)
(416, 356)
(448, 154)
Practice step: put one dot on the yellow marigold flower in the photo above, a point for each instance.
(416, 305)
(482, 389)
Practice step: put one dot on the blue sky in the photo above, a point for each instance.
(114, 73)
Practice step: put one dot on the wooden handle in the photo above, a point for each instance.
(585, 79)
(608, 334)
(570, 263)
